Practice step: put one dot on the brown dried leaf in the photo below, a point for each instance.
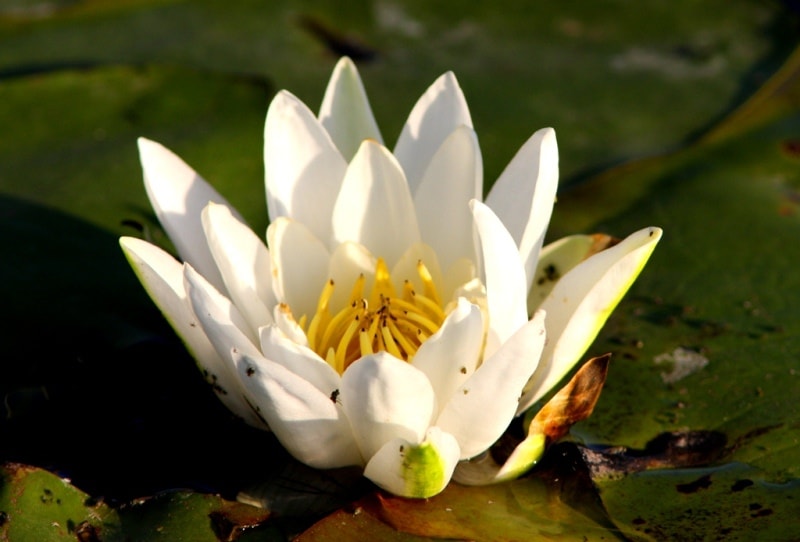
(574, 402)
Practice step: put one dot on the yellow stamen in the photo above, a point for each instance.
(389, 342)
(383, 284)
(365, 344)
(358, 289)
(344, 344)
(427, 283)
(403, 341)
(322, 316)
(375, 320)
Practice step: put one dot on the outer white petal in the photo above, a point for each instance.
(555, 260)
(524, 194)
(308, 423)
(345, 110)
(415, 470)
(243, 259)
(222, 322)
(374, 207)
(453, 178)
(299, 265)
(303, 168)
(299, 359)
(386, 398)
(449, 357)
(439, 111)
(178, 196)
(581, 302)
(505, 277)
(481, 409)
(162, 277)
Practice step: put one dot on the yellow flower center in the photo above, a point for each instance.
(378, 321)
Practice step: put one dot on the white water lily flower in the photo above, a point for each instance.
(385, 323)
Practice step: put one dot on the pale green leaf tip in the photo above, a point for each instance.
(523, 458)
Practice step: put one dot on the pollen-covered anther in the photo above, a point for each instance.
(378, 320)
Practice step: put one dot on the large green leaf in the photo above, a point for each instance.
(614, 81)
(36, 505)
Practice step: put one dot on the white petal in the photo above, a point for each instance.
(162, 277)
(348, 261)
(524, 194)
(555, 260)
(345, 110)
(285, 321)
(386, 398)
(462, 272)
(439, 111)
(178, 196)
(374, 207)
(299, 265)
(303, 168)
(506, 287)
(581, 302)
(453, 178)
(243, 259)
(309, 424)
(415, 470)
(449, 357)
(481, 409)
(299, 359)
(222, 322)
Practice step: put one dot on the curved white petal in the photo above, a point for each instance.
(374, 207)
(505, 277)
(524, 194)
(555, 260)
(386, 398)
(449, 357)
(299, 265)
(309, 424)
(453, 177)
(415, 470)
(581, 302)
(222, 322)
(299, 359)
(303, 168)
(178, 196)
(348, 261)
(439, 111)
(243, 260)
(481, 409)
(461, 273)
(345, 112)
(162, 277)
(285, 321)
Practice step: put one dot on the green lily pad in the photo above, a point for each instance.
(36, 505)
(615, 82)
(194, 517)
